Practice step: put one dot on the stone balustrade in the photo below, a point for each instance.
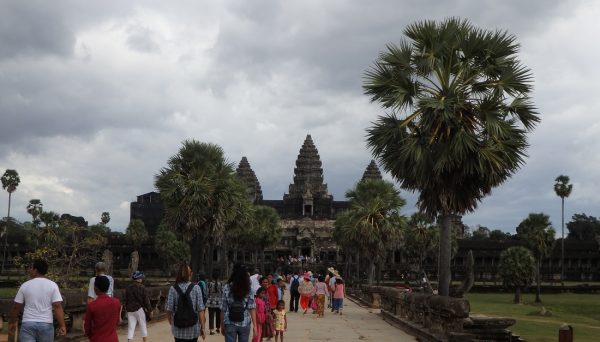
(74, 304)
(432, 317)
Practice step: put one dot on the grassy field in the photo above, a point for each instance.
(581, 311)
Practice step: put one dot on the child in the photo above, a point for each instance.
(338, 295)
(259, 299)
(280, 320)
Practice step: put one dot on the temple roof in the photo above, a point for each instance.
(308, 173)
(248, 177)
(372, 172)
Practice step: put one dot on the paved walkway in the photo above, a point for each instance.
(356, 324)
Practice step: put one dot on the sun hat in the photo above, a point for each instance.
(331, 270)
(336, 273)
(137, 275)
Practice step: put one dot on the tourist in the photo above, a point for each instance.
(255, 280)
(281, 288)
(137, 305)
(273, 291)
(305, 289)
(215, 294)
(332, 275)
(102, 314)
(280, 320)
(294, 294)
(37, 298)
(268, 330)
(338, 295)
(185, 326)
(261, 313)
(319, 292)
(238, 309)
(100, 270)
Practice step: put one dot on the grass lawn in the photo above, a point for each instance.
(8, 292)
(581, 311)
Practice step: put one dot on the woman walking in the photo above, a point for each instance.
(137, 305)
(306, 292)
(215, 294)
(338, 295)
(185, 327)
(320, 291)
(238, 309)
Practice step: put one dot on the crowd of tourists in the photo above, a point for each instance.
(245, 305)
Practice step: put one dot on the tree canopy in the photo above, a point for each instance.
(583, 227)
(517, 268)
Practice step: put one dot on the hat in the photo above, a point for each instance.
(331, 270)
(137, 275)
(336, 273)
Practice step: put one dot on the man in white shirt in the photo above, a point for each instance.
(38, 297)
(255, 281)
(100, 270)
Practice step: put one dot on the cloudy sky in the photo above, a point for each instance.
(95, 96)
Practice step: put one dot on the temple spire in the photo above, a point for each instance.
(249, 179)
(372, 171)
(308, 173)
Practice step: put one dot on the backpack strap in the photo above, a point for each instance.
(186, 295)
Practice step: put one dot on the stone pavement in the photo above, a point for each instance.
(356, 324)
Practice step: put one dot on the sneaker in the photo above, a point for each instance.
(211, 332)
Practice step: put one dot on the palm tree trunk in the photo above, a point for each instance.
(197, 255)
(445, 255)
(210, 251)
(371, 275)
(262, 260)
(358, 267)
(537, 276)
(517, 295)
(562, 243)
(6, 234)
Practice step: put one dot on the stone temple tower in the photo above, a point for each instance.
(249, 179)
(372, 172)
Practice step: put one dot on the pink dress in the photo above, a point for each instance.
(260, 318)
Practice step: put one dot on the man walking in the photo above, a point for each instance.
(100, 270)
(38, 297)
(294, 293)
(102, 314)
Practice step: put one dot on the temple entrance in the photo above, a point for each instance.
(305, 251)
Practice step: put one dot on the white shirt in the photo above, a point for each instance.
(37, 295)
(332, 283)
(92, 293)
(254, 283)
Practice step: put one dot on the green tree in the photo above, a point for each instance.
(170, 247)
(266, 230)
(481, 233)
(419, 239)
(201, 195)
(459, 112)
(537, 233)
(498, 235)
(136, 233)
(105, 218)
(563, 189)
(10, 181)
(517, 268)
(35, 209)
(374, 221)
(583, 227)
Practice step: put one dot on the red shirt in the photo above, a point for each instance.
(273, 295)
(101, 319)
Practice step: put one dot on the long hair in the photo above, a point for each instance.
(184, 274)
(239, 282)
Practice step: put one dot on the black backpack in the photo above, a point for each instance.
(236, 310)
(185, 316)
(295, 283)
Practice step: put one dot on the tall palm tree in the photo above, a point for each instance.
(35, 209)
(459, 111)
(201, 195)
(10, 181)
(563, 190)
(537, 233)
(374, 221)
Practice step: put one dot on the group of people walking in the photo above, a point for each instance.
(241, 305)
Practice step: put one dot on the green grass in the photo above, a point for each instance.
(8, 292)
(581, 311)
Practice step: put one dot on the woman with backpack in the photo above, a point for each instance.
(215, 294)
(238, 309)
(184, 305)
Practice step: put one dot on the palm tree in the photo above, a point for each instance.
(537, 233)
(10, 181)
(201, 195)
(35, 209)
(419, 239)
(373, 221)
(459, 111)
(517, 268)
(266, 230)
(105, 218)
(563, 189)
